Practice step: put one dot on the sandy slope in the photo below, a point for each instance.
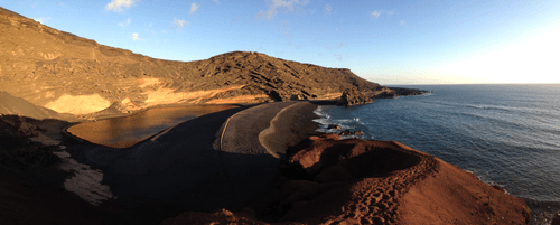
(10, 104)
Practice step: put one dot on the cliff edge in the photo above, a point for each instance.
(73, 75)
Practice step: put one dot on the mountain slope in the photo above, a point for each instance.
(70, 74)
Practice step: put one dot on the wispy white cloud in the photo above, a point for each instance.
(125, 23)
(135, 36)
(275, 5)
(118, 5)
(43, 20)
(286, 28)
(194, 7)
(178, 24)
(313, 11)
(338, 57)
(297, 46)
(265, 15)
(402, 22)
(328, 8)
(337, 46)
(377, 13)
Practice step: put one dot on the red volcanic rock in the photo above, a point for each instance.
(328, 180)
(556, 221)
(331, 181)
(223, 216)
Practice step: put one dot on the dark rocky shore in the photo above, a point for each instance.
(252, 165)
(260, 163)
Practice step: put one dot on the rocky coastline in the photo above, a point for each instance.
(319, 179)
(76, 76)
(260, 163)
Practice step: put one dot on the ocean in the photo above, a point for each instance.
(506, 134)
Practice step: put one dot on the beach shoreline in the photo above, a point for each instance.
(232, 186)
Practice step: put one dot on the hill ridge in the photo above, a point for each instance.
(71, 74)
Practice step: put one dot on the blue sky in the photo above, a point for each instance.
(388, 42)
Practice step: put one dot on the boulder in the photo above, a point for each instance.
(334, 126)
(345, 133)
(353, 97)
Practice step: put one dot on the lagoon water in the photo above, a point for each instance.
(123, 132)
(507, 135)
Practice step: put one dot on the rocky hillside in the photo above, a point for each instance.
(70, 74)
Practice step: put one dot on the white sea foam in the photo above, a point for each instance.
(494, 107)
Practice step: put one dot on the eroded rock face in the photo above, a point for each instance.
(328, 180)
(70, 74)
(353, 97)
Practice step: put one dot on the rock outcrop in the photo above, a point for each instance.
(331, 181)
(327, 180)
(353, 97)
(334, 126)
(69, 74)
(345, 133)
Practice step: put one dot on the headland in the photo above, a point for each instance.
(256, 164)
(260, 163)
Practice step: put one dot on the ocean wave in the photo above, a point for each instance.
(531, 110)
(495, 107)
(324, 122)
(344, 120)
(525, 109)
(319, 111)
(344, 123)
(486, 179)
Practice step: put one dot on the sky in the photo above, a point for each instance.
(387, 42)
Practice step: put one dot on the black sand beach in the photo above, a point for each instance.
(198, 165)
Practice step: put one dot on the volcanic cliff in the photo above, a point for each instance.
(70, 74)
(47, 173)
